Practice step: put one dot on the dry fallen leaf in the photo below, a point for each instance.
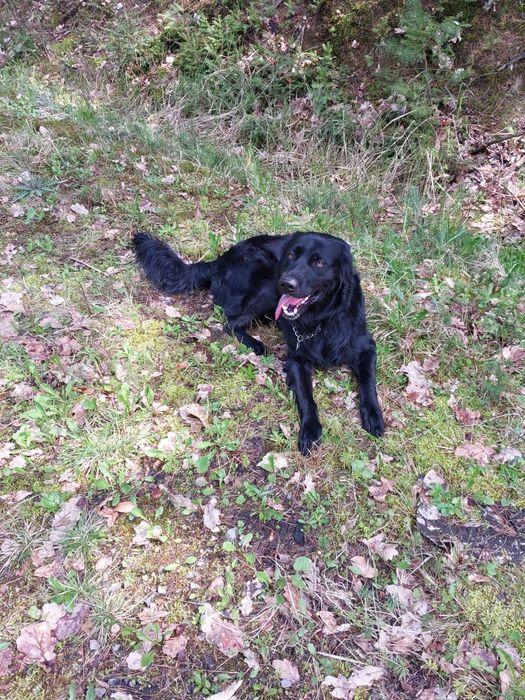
(211, 515)
(37, 643)
(124, 507)
(168, 444)
(173, 647)
(476, 451)
(361, 567)
(330, 625)
(133, 661)
(418, 390)
(203, 391)
(376, 545)
(194, 415)
(144, 532)
(15, 497)
(287, 672)
(227, 693)
(66, 517)
(79, 209)
(6, 658)
(273, 460)
(12, 301)
(178, 500)
(379, 489)
(344, 687)
(466, 417)
(70, 623)
(7, 330)
(223, 634)
(515, 356)
(402, 638)
(171, 311)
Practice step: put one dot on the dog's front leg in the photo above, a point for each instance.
(299, 379)
(364, 368)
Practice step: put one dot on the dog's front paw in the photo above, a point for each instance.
(372, 420)
(309, 436)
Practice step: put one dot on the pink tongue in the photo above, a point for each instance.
(284, 301)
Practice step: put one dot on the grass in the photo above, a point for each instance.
(102, 133)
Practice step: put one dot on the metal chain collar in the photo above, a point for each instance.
(301, 338)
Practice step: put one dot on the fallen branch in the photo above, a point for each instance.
(500, 139)
(515, 59)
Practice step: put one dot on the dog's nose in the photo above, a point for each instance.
(287, 285)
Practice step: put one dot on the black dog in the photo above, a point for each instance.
(307, 282)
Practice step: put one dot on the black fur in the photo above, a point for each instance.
(247, 282)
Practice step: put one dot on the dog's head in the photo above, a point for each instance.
(314, 267)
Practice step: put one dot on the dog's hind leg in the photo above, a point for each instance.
(238, 327)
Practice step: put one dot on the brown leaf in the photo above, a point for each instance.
(48, 570)
(194, 415)
(466, 417)
(227, 693)
(37, 643)
(7, 330)
(70, 623)
(224, 635)
(419, 390)
(124, 507)
(402, 638)
(330, 623)
(476, 451)
(211, 515)
(6, 658)
(134, 661)
(378, 546)
(171, 311)
(379, 489)
(173, 647)
(15, 497)
(12, 301)
(168, 444)
(515, 356)
(144, 532)
(362, 567)
(24, 391)
(79, 209)
(66, 517)
(178, 500)
(344, 687)
(79, 413)
(203, 391)
(287, 672)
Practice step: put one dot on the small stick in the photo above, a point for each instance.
(515, 59)
(91, 267)
(500, 139)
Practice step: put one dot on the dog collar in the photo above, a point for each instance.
(301, 338)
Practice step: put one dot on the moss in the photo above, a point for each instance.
(149, 335)
(65, 46)
(496, 616)
(430, 437)
(353, 20)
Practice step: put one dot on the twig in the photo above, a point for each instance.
(500, 139)
(515, 59)
(91, 267)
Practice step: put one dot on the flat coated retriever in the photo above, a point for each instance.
(307, 282)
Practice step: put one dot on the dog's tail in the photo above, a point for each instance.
(166, 270)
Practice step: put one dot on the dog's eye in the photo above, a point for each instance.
(319, 263)
(291, 255)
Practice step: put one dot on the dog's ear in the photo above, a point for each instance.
(346, 270)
